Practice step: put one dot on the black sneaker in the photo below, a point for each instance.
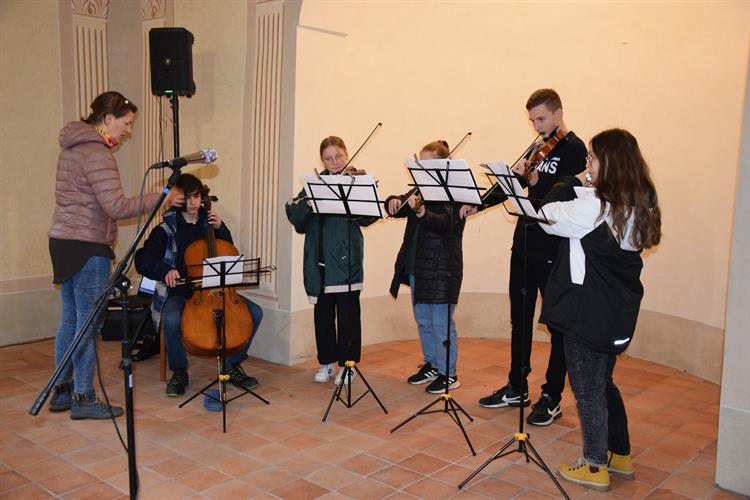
(88, 406)
(61, 399)
(177, 384)
(544, 411)
(239, 378)
(503, 397)
(425, 374)
(438, 385)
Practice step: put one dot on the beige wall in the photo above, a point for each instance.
(30, 99)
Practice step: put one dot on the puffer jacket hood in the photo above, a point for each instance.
(75, 133)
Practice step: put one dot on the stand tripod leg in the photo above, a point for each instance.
(546, 469)
(487, 462)
(453, 406)
(336, 395)
(371, 390)
(420, 412)
(215, 381)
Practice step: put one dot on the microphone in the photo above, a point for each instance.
(202, 156)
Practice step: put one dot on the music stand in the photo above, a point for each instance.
(222, 274)
(445, 181)
(522, 207)
(349, 195)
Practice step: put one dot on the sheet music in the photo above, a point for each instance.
(508, 182)
(359, 190)
(212, 270)
(460, 180)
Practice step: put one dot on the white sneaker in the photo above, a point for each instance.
(325, 372)
(348, 379)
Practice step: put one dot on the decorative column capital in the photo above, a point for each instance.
(91, 8)
(153, 9)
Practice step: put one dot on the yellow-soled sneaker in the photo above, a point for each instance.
(622, 465)
(580, 472)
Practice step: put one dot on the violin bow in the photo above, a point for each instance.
(380, 124)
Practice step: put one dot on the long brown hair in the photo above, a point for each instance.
(624, 182)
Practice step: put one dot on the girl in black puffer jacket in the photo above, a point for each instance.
(430, 261)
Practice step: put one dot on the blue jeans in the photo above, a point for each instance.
(604, 423)
(432, 322)
(78, 295)
(171, 319)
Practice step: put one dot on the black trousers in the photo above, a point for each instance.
(522, 325)
(342, 308)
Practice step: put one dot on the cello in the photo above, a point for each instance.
(207, 306)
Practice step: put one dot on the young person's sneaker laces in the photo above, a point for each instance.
(425, 374)
(622, 465)
(505, 396)
(438, 385)
(349, 379)
(582, 473)
(325, 372)
(88, 406)
(177, 384)
(61, 399)
(544, 411)
(239, 378)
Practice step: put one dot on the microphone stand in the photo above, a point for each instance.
(118, 281)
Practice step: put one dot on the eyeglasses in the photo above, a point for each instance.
(333, 159)
(590, 157)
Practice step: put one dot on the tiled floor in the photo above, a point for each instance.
(284, 450)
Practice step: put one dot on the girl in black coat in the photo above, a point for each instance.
(606, 214)
(430, 261)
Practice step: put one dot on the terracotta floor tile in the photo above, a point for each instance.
(300, 490)
(423, 464)
(431, 488)
(175, 466)
(660, 494)
(269, 478)
(396, 476)
(494, 488)
(67, 481)
(11, 479)
(202, 479)
(95, 491)
(238, 465)
(333, 478)
(231, 489)
(367, 489)
(364, 464)
(89, 455)
(28, 491)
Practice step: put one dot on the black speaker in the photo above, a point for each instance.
(139, 318)
(171, 52)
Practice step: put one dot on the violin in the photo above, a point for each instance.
(352, 170)
(199, 333)
(540, 150)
